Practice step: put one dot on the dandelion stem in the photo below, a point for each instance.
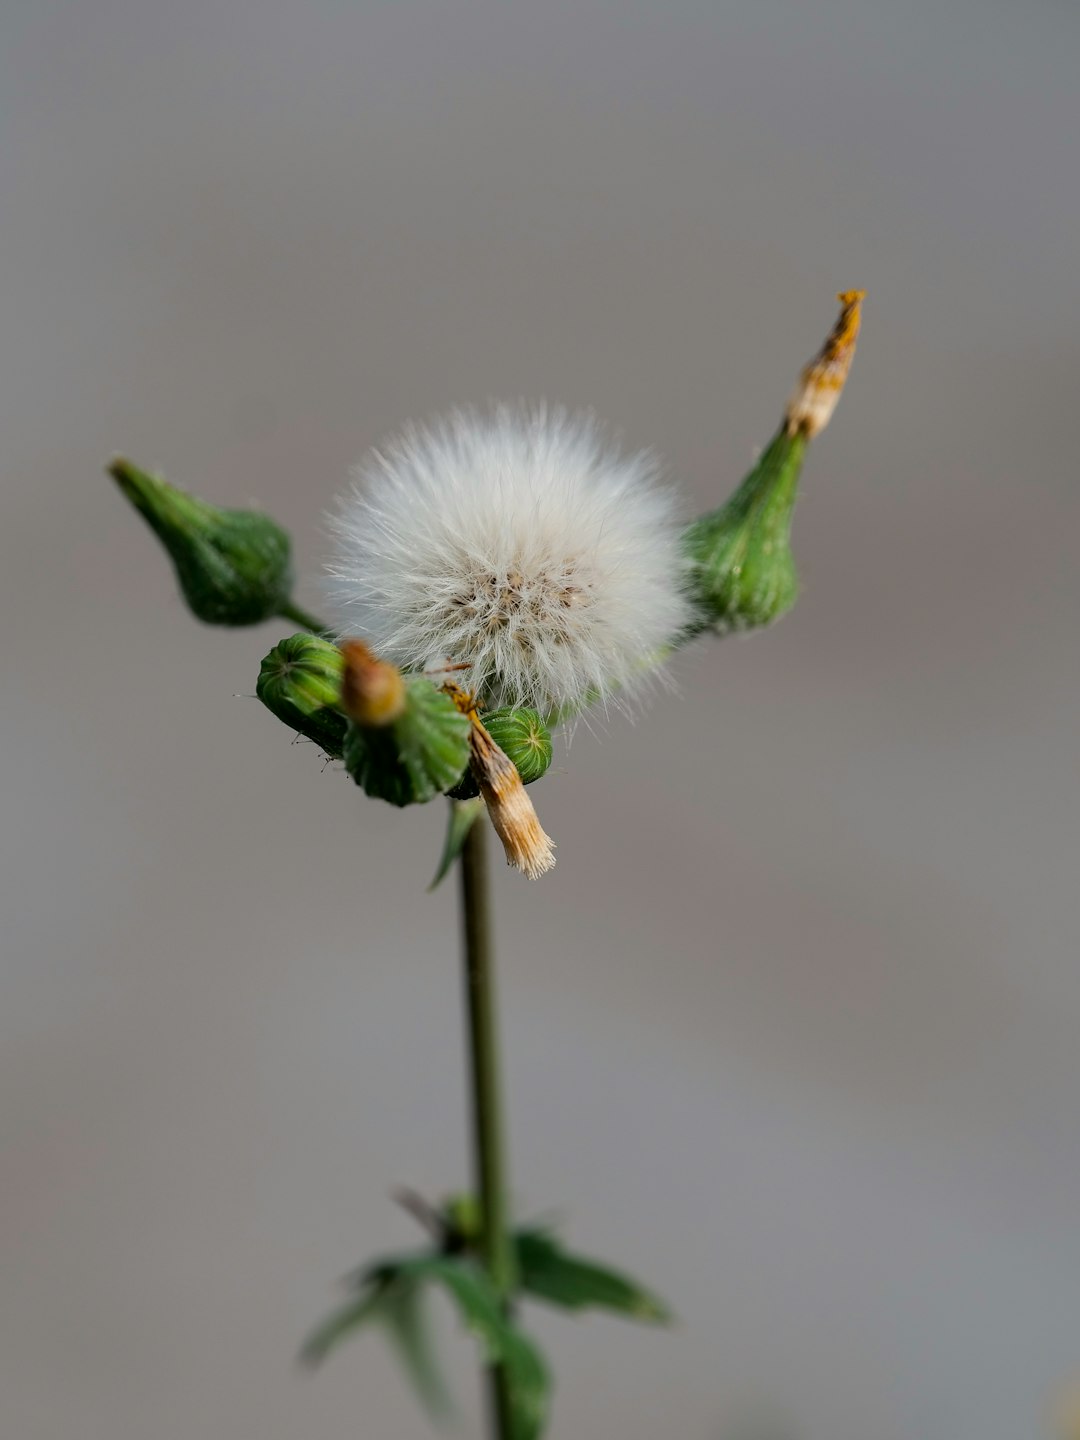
(489, 1156)
(291, 611)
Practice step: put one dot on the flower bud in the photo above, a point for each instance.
(233, 565)
(524, 738)
(300, 683)
(741, 570)
(419, 754)
(373, 691)
(522, 734)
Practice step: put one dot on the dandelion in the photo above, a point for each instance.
(505, 568)
(518, 543)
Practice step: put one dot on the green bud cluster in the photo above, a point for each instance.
(742, 573)
(233, 565)
(421, 754)
(300, 683)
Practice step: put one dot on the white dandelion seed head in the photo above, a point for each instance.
(517, 542)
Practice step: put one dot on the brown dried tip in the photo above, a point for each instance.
(527, 848)
(372, 690)
(811, 405)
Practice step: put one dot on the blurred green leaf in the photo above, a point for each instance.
(389, 1292)
(472, 1294)
(548, 1272)
(463, 816)
(408, 1327)
(327, 1336)
(478, 1305)
(529, 1385)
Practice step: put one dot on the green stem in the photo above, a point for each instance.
(291, 611)
(488, 1152)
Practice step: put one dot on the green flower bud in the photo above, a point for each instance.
(420, 754)
(300, 683)
(462, 1219)
(522, 734)
(742, 572)
(232, 565)
(741, 569)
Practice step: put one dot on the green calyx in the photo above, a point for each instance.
(742, 573)
(421, 754)
(300, 683)
(523, 735)
(233, 565)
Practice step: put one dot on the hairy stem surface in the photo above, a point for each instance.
(486, 1097)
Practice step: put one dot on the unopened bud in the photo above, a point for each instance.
(741, 569)
(300, 683)
(373, 690)
(527, 848)
(814, 399)
(233, 565)
(524, 737)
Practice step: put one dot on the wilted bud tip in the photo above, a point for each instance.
(373, 690)
(814, 399)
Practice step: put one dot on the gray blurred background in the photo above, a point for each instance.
(792, 1029)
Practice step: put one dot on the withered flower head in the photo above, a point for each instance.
(814, 399)
(527, 848)
(372, 691)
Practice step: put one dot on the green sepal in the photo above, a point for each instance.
(300, 682)
(421, 754)
(548, 1272)
(742, 573)
(524, 736)
(234, 566)
(462, 816)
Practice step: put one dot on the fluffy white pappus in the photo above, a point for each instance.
(517, 542)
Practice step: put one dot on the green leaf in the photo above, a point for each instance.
(343, 1323)
(394, 1300)
(390, 1291)
(529, 1385)
(463, 816)
(501, 1342)
(550, 1273)
(472, 1293)
(407, 1327)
